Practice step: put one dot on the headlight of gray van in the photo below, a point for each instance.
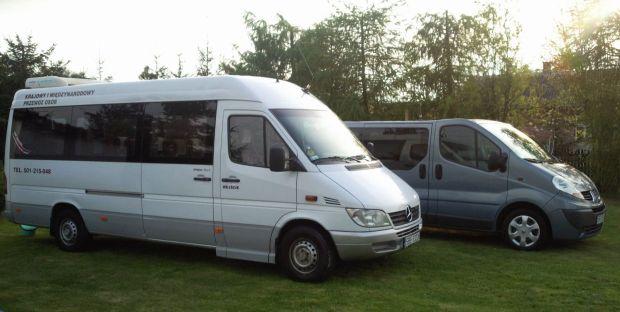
(566, 186)
(369, 217)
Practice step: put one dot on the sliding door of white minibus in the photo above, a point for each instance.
(177, 171)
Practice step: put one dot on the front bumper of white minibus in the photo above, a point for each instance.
(365, 245)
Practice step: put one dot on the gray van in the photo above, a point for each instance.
(489, 176)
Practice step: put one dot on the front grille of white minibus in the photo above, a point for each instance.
(400, 217)
(407, 232)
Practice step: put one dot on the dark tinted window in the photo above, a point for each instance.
(179, 132)
(250, 139)
(105, 132)
(397, 148)
(465, 146)
(485, 149)
(40, 133)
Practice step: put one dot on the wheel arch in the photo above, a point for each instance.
(56, 208)
(291, 223)
(521, 205)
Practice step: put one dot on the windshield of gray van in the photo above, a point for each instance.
(322, 136)
(518, 142)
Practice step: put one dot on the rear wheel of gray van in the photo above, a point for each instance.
(525, 229)
(306, 254)
(70, 231)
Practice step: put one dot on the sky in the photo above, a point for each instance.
(127, 34)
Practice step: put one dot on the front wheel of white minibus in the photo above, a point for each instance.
(306, 255)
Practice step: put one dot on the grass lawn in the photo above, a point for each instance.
(447, 271)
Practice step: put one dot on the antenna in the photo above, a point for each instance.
(306, 89)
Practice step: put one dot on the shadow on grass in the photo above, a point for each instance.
(154, 252)
(493, 239)
(147, 251)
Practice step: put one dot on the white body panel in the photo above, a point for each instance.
(201, 204)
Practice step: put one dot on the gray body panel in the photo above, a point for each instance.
(474, 199)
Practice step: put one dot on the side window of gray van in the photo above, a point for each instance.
(397, 148)
(466, 146)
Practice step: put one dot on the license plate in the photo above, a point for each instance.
(600, 218)
(411, 239)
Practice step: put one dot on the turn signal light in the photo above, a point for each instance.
(311, 198)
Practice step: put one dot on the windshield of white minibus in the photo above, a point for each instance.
(322, 136)
(521, 144)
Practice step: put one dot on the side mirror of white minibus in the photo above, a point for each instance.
(277, 159)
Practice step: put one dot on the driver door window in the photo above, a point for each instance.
(250, 138)
(466, 146)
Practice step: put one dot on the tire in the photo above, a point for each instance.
(525, 229)
(71, 233)
(306, 254)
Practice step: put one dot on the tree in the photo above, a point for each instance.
(156, 72)
(272, 50)
(179, 72)
(100, 71)
(349, 60)
(587, 60)
(204, 61)
(459, 66)
(21, 60)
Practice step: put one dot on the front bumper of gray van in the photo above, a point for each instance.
(575, 219)
(366, 245)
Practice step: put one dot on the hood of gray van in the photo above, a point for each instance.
(581, 181)
(376, 188)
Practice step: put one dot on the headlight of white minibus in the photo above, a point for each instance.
(369, 217)
(567, 187)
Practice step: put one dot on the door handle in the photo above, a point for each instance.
(231, 180)
(438, 172)
(203, 179)
(422, 171)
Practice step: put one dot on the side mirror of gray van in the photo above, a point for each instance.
(498, 161)
(370, 147)
(277, 159)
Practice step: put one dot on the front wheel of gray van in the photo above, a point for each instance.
(525, 229)
(70, 231)
(306, 255)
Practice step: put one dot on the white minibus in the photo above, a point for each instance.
(257, 169)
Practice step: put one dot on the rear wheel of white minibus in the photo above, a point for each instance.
(70, 232)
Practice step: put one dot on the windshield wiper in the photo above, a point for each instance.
(533, 160)
(542, 161)
(331, 158)
(357, 158)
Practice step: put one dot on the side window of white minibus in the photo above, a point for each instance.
(179, 132)
(250, 139)
(40, 133)
(105, 132)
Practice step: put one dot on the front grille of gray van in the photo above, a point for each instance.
(331, 201)
(587, 195)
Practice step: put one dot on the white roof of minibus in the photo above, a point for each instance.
(271, 92)
(401, 122)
